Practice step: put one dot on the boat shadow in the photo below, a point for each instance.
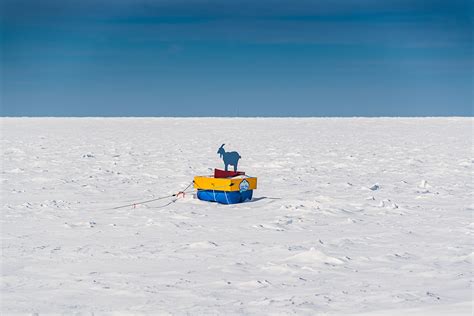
(263, 198)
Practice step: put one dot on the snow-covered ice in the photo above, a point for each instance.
(351, 216)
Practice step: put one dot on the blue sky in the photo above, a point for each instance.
(236, 58)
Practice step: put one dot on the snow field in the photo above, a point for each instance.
(351, 216)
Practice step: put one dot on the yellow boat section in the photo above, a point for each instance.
(225, 184)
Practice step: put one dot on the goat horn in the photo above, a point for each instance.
(222, 145)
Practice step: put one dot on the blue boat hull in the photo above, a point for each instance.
(224, 197)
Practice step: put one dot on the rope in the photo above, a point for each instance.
(225, 193)
(183, 192)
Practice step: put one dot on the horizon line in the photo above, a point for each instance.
(232, 117)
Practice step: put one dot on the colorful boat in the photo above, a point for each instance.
(230, 190)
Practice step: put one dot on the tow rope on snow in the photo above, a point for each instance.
(177, 195)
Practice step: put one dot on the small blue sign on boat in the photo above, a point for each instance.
(244, 185)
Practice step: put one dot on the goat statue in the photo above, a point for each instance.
(230, 158)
